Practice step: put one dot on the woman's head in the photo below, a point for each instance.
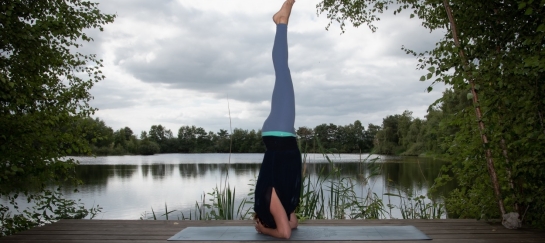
(256, 218)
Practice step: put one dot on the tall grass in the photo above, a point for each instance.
(414, 206)
(332, 196)
(418, 207)
(328, 195)
(220, 206)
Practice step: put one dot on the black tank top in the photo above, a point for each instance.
(281, 170)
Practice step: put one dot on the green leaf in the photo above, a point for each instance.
(522, 5)
(423, 78)
(431, 69)
(529, 11)
(469, 96)
(41, 109)
(430, 89)
(541, 28)
(14, 168)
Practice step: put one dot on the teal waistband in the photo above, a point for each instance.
(277, 134)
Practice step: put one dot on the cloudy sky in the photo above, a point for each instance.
(186, 62)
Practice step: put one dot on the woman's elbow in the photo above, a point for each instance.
(285, 234)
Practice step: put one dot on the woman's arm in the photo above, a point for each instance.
(293, 221)
(283, 226)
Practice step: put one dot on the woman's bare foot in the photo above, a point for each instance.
(283, 16)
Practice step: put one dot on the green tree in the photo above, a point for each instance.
(194, 140)
(493, 51)
(44, 91)
(350, 137)
(99, 135)
(120, 139)
(147, 146)
(164, 138)
(202, 141)
(222, 141)
(369, 137)
(241, 141)
(404, 122)
(327, 136)
(256, 142)
(125, 141)
(387, 140)
(128, 133)
(306, 137)
(413, 140)
(187, 138)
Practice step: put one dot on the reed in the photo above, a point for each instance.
(418, 207)
(328, 195)
(223, 204)
(332, 196)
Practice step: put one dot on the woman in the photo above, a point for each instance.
(279, 182)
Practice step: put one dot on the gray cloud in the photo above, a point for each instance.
(338, 78)
(201, 65)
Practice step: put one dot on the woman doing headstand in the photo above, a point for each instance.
(279, 182)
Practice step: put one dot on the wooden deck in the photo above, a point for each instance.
(118, 231)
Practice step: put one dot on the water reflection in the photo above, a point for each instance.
(127, 186)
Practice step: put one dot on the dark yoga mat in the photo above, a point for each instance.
(303, 233)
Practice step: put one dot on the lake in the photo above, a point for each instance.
(128, 187)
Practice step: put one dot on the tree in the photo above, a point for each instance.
(187, 138)
(120, 139)
(327, 137)
(412, 140)
(100, 136)
(404, 123)
(241, 141)
(350, 137)
(369, 136)
(44, 90)
(125, 141)
(387, 139)
(222, 141)
(493, 51)
(202, 142)
(306, 135)
(164, 138)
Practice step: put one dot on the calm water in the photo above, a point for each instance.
(127, 187)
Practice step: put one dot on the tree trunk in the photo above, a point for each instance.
(489, 160)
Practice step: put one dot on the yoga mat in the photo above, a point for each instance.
(302, 233)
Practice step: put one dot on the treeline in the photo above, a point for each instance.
(399, 134)
(103, 140)
(404, 135)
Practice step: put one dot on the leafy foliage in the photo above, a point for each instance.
(44, 93)
(50, 206)
(499, 56)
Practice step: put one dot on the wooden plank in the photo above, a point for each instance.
(98, 223)
(144, 228)
(540, 240)
(318, 221)
(179, 225)
(147, 229)
(120, 231)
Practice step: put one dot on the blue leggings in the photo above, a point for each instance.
(282, 116)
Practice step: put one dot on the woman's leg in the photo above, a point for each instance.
(282, 116)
